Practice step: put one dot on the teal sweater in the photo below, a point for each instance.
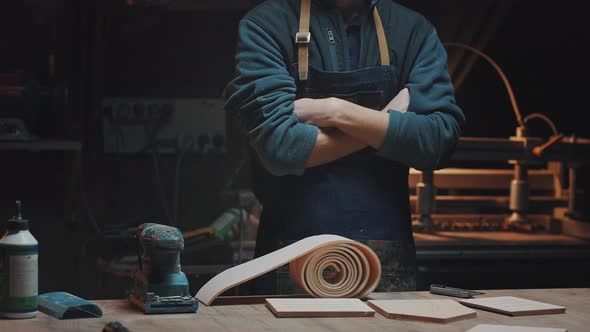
(262, 94)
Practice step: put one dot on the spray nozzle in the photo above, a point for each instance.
(18, 214)
(17, 223)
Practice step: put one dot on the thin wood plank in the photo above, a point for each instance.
(495, 238)
(436, 311)
(508, 328)
(298, 308)
(513, 306)
(252, 299)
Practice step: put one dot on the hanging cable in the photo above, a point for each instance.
(544, 118)
(183, 145)
(153, 149)
(515, 107)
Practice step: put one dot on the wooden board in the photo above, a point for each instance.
(508, 328)
(437, 311)
(501, 239)
(513, 306)
(319, 308)
(253, 299)
(359, 266)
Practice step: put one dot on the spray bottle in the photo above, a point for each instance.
(18, 269)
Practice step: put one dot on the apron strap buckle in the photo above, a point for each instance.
(303, 37)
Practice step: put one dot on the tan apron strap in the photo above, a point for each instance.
(383, 48)
(302, 38)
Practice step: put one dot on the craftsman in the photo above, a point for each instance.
(332, 147)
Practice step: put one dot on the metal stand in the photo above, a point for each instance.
(519, 186)
(519, 194)
(426, 200)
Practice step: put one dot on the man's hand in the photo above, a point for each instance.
(355, 127)
(318, 112)
(363, 124)
(325, 112)
(400, 103)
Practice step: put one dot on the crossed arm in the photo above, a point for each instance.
(262, 98)
(345, 127)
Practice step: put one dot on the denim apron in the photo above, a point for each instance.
(362, 196)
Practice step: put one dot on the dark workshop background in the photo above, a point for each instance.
(173, 49)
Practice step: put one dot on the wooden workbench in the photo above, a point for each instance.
(259, 318)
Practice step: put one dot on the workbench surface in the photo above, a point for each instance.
(259, 318)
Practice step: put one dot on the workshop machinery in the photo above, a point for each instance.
(505, 214)
(535, 192)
